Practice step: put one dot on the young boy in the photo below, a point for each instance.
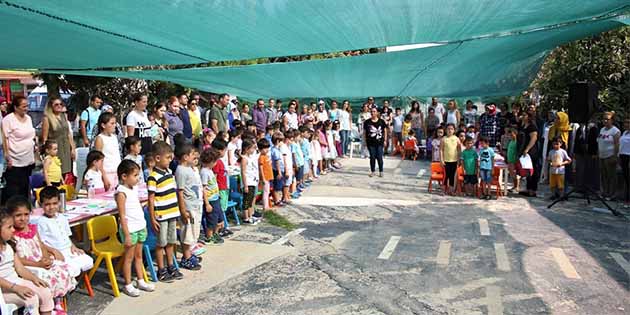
(470, 160)
(54, 231)
(190, 203)
(266, 170)
(398, 126)
(558, 158)
(486, 164)
(211, 196)
(222, 181)
(512, 157)
(269, 133)
(305, 146)
(287, 157)
(164, 210)
(278, 166)
(298, 161)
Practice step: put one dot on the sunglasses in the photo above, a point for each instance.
(57, 104)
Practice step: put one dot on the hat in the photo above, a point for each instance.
(2, 99)
(107, 107)
(321, 102)
(491, 108)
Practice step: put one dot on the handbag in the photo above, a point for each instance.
(524, 166)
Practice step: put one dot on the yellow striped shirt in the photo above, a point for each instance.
(161, 183)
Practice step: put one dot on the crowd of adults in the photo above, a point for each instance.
(184, 116)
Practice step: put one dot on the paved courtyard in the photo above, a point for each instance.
(385, 246)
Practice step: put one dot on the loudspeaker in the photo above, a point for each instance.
(582, 101)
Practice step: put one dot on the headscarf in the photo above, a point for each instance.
(560, 128)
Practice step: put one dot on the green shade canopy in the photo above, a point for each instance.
(80, 34)
(484, 67)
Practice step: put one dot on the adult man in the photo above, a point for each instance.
(271, 112)
(183, 114)
(489, 122)
(371, 103)
(291, 117)
(259, 116)
(218, 114)
(439, 109)
(279, 110)
(89, 119)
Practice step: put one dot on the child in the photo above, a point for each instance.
(298, 162)
(461, 135)
(251, 126)
(52, 164)
(450, 150)
(332, 150)
(337, 137)
(323, 142)
(512, 157)
(190, 204)
(133, 146)
(316, 154)
(164, 210)
(92, 177)
(470, 161)
(287, 158)
(278, 166)
(250, 176)
(558, 158)
(406, 126)
(305, 146)
(435, 144)
(19, 285)
(150, 164)
(266, 170)
(471, 132)
(220, 172)
(398, 126)
(54, 230)
(268, 133)
(233, 147)
(411, 143)
(208, 137)
(33, 253)
(211, 196)
(133, 231)
(486, 164)
(505, 139)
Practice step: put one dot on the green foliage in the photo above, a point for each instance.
(276, 219)
(603, 59)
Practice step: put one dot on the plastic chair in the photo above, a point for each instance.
(35, 181)
(70, 191)
(231, 206)
(437, 174)
(233, 190)
(105, 246)
(409, 149)
(496, 172)
(5, 308)
(460, 180)
(149, 246)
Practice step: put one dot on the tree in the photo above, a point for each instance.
(603, 59)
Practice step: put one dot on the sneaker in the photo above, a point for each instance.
(197, 257)
(190, 264)
(175, 274)
(201, 240)
(147, 287)
(371, 174)
(380, 174)
(248, 221)
(165, 276)
(258, 214)
(198, 251)
(217, 239)
(131, 290)
(295, 195)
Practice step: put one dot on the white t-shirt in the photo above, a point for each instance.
(55, 232)
(398, 123)
(133, 209)
(292, 118)
(288, 158)
(344, 120)
(140, 121)
(7, 264)
(606, 142)
(322, 116)
(252, 174)
(624, 143)
(231, 152)
(94, 179)
(111, 151)
(439, 112)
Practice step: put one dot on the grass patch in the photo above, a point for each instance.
(277, 219)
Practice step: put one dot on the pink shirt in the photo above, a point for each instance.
(20, 140)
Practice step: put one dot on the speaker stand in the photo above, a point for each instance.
(586, 194)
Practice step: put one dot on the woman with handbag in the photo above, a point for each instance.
(528, 142)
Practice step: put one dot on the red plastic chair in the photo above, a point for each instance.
(409, 149)
(496, 172)
(437, 174)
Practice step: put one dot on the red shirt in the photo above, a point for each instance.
(219, 171)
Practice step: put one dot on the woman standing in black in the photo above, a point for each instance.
(374, 132)
(528, 141)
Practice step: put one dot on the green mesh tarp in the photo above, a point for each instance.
(484, 67)
(80, 34)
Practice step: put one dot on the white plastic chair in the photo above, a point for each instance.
(7, 308)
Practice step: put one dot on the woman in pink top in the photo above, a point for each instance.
(19, 147)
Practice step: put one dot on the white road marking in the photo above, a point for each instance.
(563, 262)
(338, 241)
(622, 262)
(493, 299)
(286, 238)
(484, 229)
(503, 264)
(389, 248)
(414, 270)
(444, 253)
(455, 291)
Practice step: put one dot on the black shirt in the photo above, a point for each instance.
(374, 132)
(524, 137)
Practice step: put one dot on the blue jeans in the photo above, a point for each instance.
(419, 133)
(376, 154)
(344, 141)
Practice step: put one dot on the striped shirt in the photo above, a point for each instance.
(161, 183)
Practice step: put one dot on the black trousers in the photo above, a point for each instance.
(625, 168)
(16, 182)
(376, 155)
(532, 181)
(450, 168)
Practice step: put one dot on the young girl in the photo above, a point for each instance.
(435, 144)
(107, 142)
(133, 146)
(19, 285)
(208, 137)
(92, 177)
(337, 137)
(233, 147)
(316, 152)
(266, 171)
(33, 253)
(512, 156)
(450, 150)
(323, 142)
(132, 230)
(406, 126)
(149, 162)
(332, 150)
(250, 175)
(52, 164)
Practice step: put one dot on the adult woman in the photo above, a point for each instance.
(417, 120)
(528, 142)
(305, 116)
(195, 120)
(624, 159)
(18, 137)
(138, 123)
(375, 135)
(470, 114)
(174, 122)
(55, 127)
(322, 113)
(159, 128)
(452, 115)
(363, 116)
(245, 116)
(3, 106)
(107, 143)
(345, 123)
(608, 149)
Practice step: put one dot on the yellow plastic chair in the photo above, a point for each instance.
(69, 191)
(105, 246)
